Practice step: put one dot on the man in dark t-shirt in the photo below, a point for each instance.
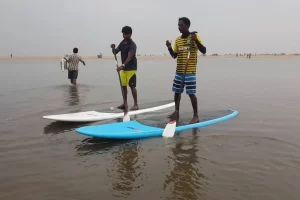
(129, 67)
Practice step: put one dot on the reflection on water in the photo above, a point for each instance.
(91, 146)
(58, 127)
(73, 96)
(127, 168)
(185, 179)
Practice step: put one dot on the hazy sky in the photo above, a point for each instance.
(54, 27)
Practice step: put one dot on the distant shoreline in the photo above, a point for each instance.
(154, 57)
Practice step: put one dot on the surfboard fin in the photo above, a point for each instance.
(169, 130)
(126, 117)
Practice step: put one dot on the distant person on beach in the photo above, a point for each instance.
(129, 67)
(73, 61)
(181, 49)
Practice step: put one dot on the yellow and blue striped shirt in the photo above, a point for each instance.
(181, 48)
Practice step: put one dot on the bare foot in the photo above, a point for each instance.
(171, 115)
(135, 107)
(194, 120)
(174, 116)
(122, 107)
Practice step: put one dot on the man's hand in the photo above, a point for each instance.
(112, 46)
(168, 44)
(194, 36)
(82, 62)
(201, 48)
(120, 68)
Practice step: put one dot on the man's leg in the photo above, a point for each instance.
(195, 108)
(177, 98)
(124, 86)
(132, 84)
(191, 91)
(134, 95)
(70, 76)
(177, 94)
(75, 75)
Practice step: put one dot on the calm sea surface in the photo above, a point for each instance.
(253, 156)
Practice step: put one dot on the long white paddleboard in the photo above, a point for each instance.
(92, 116)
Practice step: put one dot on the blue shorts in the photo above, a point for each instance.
(189, 83)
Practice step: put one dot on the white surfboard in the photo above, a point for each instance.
(92, 116)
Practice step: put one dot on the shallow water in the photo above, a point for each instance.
(253, 156)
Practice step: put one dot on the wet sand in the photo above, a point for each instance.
(253, 156)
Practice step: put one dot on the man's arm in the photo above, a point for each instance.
(80, 59)
(172, 52)
(131, 53)
(115, 50)
(200, 45)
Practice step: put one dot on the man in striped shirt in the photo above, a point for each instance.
(73, 61)
(181, 48)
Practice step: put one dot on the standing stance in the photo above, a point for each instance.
(73, 61)
(129, 67)
(181, 49)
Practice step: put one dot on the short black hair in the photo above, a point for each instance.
(75, 50)
(127, 30)
(185, 20)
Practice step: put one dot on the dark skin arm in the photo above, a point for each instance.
(201, 48)
(82, 62)
(172, 53)
(130, 56)
(114, 49)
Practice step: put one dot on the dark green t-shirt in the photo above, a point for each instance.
(125, 48)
